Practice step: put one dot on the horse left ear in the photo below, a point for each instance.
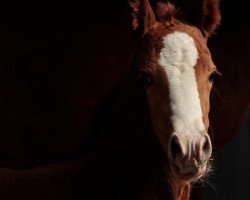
(143, 17)
(204, 14)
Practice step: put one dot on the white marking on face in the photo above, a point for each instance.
(178, 57)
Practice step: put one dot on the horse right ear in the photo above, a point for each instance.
(204, 14)
(142, 14)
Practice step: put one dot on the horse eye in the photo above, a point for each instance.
(212, 76)
(145, 79)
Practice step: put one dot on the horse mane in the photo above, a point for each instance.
(165, 12)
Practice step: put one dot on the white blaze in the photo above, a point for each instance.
(179, 57)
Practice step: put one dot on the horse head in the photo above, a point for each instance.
(177, 71)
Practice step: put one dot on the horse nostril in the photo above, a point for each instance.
(206, 148)
(175, 147)
(206, 145)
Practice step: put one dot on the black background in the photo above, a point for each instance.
(230, 179)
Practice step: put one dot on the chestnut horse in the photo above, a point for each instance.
(176, 68)
(86, 131)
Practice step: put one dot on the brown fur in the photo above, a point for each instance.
(57, 93)
(184, 193)
(158, 100)
(165, 13)
(142, 15)
(204, 14)
(149, 62)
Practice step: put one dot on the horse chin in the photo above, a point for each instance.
(189, 176)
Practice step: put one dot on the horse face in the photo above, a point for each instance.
(176, 69)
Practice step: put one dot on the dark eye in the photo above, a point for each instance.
(145, 79)
(213, 76)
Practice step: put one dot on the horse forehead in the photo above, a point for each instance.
(157, 35)
(154, 44)
(199, 40)
(178, 57)
(179, 50)
(192, 41)
(184, 49)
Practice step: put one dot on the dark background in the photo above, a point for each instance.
(230, 179)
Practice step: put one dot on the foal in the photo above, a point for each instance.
(177, 71)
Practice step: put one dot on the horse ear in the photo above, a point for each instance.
(204, 14)
(143, 17)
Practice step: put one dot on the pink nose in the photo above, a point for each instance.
(193, 150)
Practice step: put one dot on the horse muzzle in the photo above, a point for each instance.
(189, 155)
